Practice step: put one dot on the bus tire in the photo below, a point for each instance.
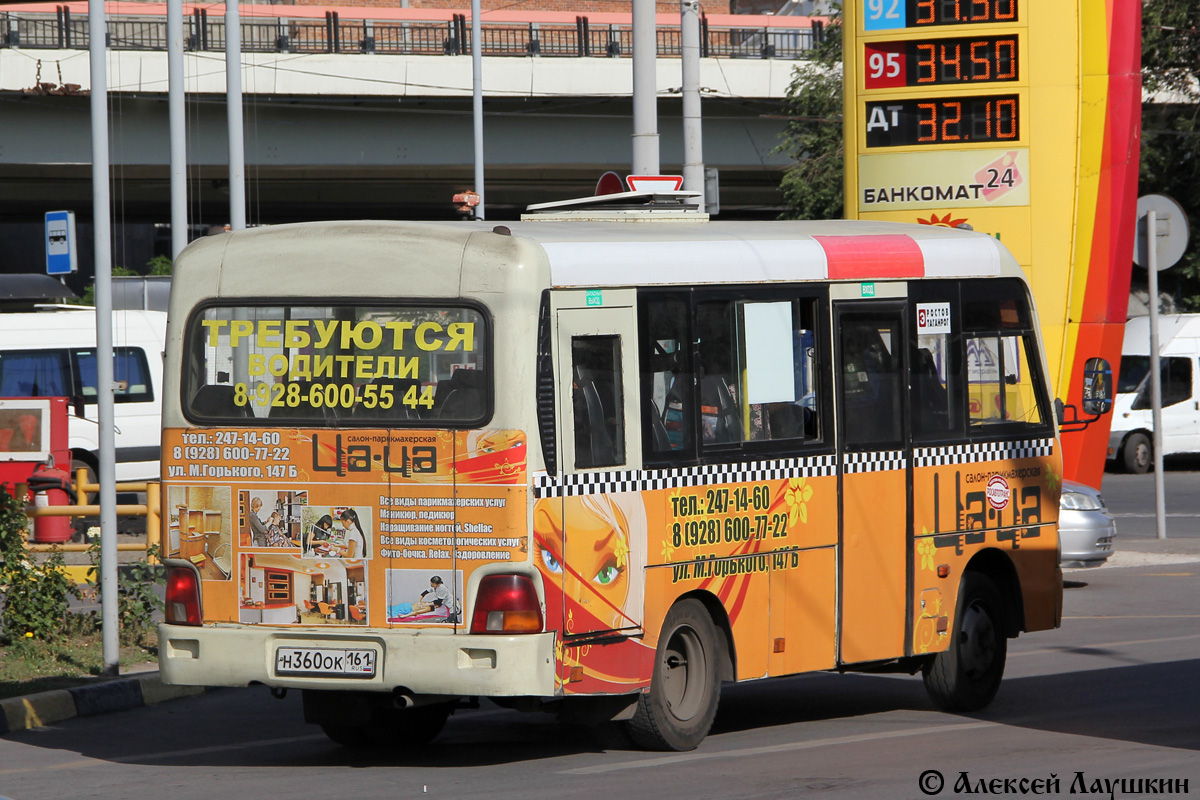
(678, 710)
(1137, 454)
(967, 676)
(411, 727)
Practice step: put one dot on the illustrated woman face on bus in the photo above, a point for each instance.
(593, 570)
(497, 441)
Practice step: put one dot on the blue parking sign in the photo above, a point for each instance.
(60, 243)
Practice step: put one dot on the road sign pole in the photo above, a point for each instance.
(105, 422)
(1159, 242)
(175, 116)
(693, 144)
(477, 100)
(233, 106)
(1160, 502)
(645, 89)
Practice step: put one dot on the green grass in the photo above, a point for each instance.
(35, 666)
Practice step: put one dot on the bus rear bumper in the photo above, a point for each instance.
(435, 664)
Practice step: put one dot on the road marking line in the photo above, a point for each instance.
(1138, 617)
(684, 758)
(1061, 650)
(1133, 558)
(200, 750)
(216, 748)
(88, 762)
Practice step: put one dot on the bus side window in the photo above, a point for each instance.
(871, 370)
(756, 374)
(666, 377)
(597, 401)
(720, 396)
(935, 387)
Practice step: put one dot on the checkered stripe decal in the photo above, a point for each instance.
(879, 461)
(649, 480)
(977, 453)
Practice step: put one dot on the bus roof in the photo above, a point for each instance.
(632, 254)
(317, 255)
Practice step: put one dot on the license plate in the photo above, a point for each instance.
(325, 662)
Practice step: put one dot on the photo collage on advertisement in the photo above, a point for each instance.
(301, 563)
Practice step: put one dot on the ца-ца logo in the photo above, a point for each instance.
(998, 492)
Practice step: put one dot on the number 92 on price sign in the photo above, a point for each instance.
(885, 14)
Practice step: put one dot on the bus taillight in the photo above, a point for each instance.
(183, 596)
(506, 604)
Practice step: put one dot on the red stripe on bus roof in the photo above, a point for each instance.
(880, 256)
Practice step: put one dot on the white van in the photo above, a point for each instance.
(1178, 350)
(51, 352)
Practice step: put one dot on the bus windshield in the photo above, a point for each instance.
(394, 365)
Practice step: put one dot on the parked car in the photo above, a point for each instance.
(1129, 445)
(1086, 531)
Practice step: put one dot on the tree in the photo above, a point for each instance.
(813, 185)
(160, 265)
(1171, 125)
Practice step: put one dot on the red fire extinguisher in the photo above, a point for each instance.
(50, 487)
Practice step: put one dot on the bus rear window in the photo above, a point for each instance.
(373, 366)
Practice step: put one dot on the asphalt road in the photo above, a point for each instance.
(1110, 695)
(1130, 498)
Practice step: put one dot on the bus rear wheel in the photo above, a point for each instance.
(678, 711)
(967, 676)
(410, 727)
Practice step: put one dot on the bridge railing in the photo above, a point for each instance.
(64, 30)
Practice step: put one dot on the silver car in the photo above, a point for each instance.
(1086, 531)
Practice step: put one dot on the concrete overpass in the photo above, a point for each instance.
(370, 134)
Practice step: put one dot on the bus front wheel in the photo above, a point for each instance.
(967, 676)
(678, 711)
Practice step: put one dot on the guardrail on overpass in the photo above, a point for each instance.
(299, 29)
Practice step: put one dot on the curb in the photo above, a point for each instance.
(56, 705)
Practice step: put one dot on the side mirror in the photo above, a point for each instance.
(77, 405)
(1097, 397)
(1097, 387)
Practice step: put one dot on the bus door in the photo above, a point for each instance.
(598, 559)
(874, 457)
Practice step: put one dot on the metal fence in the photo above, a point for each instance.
(453, 37)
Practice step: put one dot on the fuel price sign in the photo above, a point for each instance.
(885, 14)
(971, 60)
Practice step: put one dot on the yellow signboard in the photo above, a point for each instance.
(1019, 119)
(961, 179)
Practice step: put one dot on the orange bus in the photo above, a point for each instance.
(601, 462)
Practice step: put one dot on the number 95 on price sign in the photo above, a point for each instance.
(884, 65)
